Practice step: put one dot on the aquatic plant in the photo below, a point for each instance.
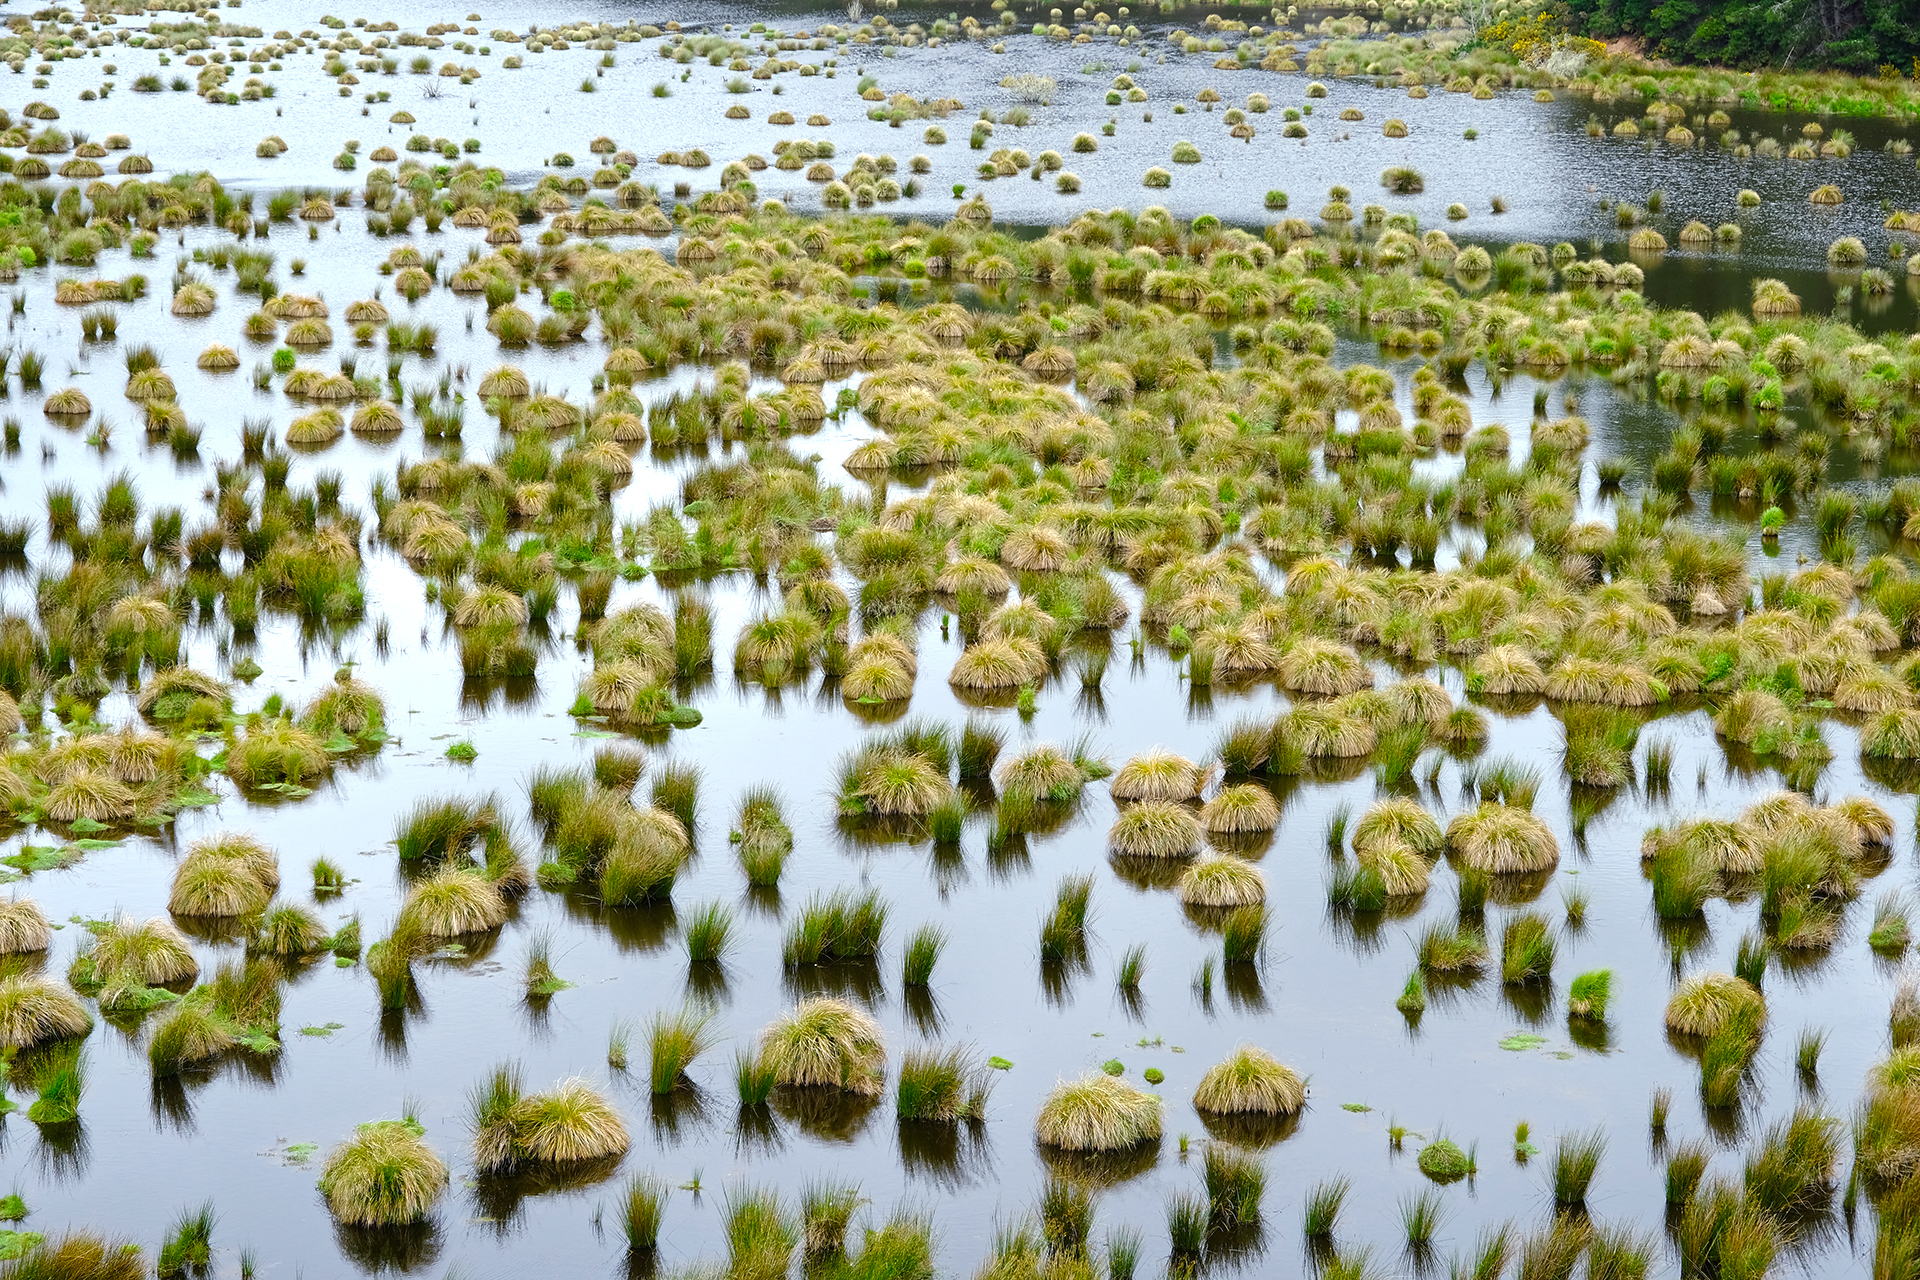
(642, 1207)
(1790, 1170)
(1097, 1112)
(1589, 994)
(1706, 1003)
(454, 901)
(1155, 829)
(1235, 1181)
(1501, 839)
(1526, 950)
(384, 1175)
(34, 1011)
(1324, 1202)
(841, 926)
(940, 1085)
(674, 1041)
(1157, 775)
(152, 953)
(920, 954)
(1444, 1161)
(1448, 949)
(825, 1043)
(1399, 821)
(1576, 1159)
(1241, 809)
(23, 927)
(1251, 1081)
(1222, 880)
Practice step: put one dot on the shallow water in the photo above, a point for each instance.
(1324, 999)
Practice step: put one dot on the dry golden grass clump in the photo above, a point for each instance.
(826, 1044)
(1251, 1082)
(453, 901)
(217, 358)
(1399, 821)
(1097, 1112)
(69, 402)
(1222, 880)
(152, 954)
(1707, 1002)
(1241, 809)
(570, 1124)
(1501, 839)
(23, 927)
(1403, 873)
(230, 875)
(1314, 665)
(91, 795)
(35, 1011)
(1155, 829)
(1158, 774)
(988, 665)
(384, 1175)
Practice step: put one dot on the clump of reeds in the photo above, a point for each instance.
(642, 1206)
(1588, 996)
(1576, 1158)
(59, 1080)
(708, 934)
(188, 1246)
(940, 1085)
(1236, 1181)
(841, 926)
(765, 837)
(1451, 949)
(1063, 934)
(920, 954)
(826, 1210)
(568, 1124)
(674, 1041)
(1526, 950)
(1243, 935)
(1324, 1202)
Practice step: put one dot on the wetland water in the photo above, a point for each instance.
(252, 1134)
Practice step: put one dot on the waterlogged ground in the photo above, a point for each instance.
(1470, 1068)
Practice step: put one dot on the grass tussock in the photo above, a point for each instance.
(1707, 1003)
(571, 1123)
(1097, 1113)
(384, 1175)
(1501, 839)
(1250, 1082)
(1222, 880)
(35, 1011)
(825, 1044)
